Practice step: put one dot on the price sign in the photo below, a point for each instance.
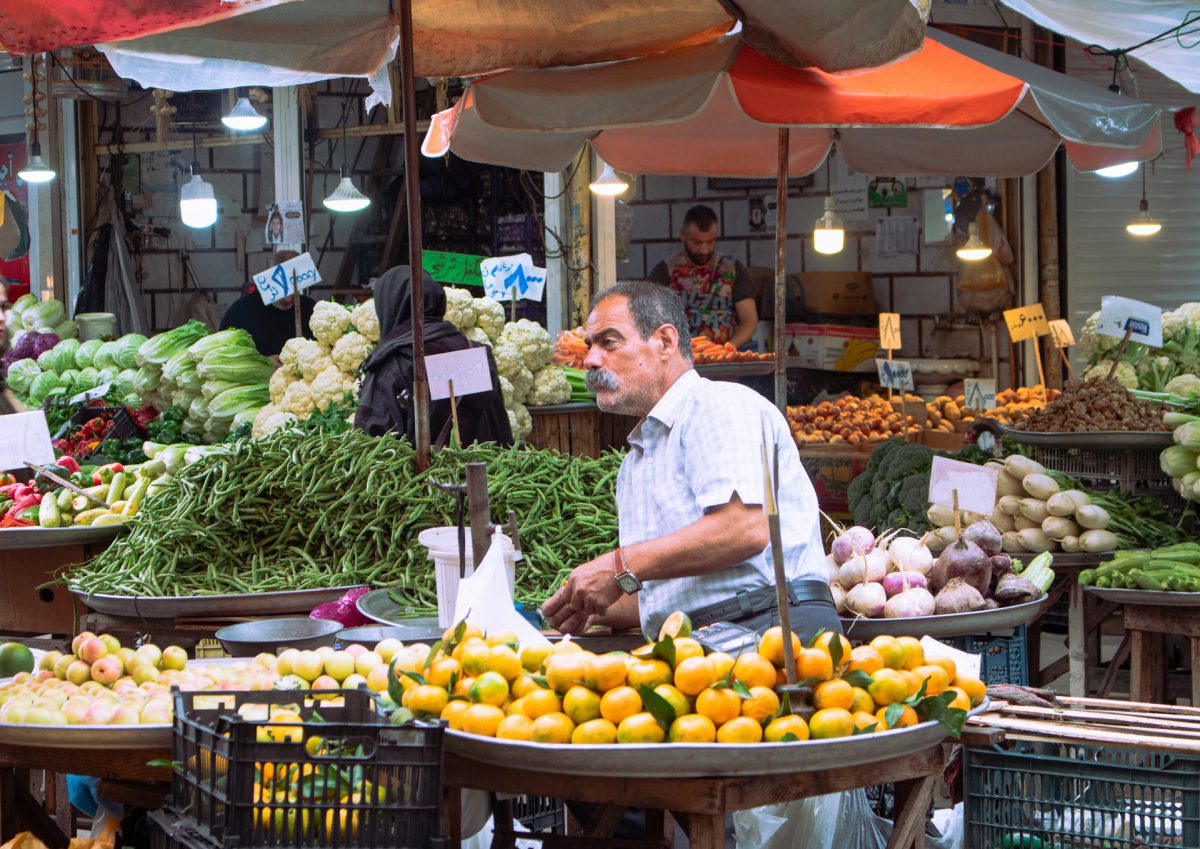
(1119, 314)
(895, 374)
(1026, 322)
(979, 394)
(506, 276)
(91, 395)
(467, 368)
(25, 438)
(976, 485)
(889, 331)
(276, 283)
(446, 267)
(1060, 332)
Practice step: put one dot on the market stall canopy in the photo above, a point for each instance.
(1114, 24)
(954, 107)
(300, 40)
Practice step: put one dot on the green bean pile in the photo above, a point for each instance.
(300, 511)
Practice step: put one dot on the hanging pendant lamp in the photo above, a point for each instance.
(243, 117)
(346, 198)
(197, 201)
(36, 170)
(609, 183)
(1143, 225)
(974, 249)
(829, 234)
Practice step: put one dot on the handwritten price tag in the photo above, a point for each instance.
(895, 374)
(25, 437)
(507, 276)
(889, 331)
(276, 282)
(1026, 322)
(979, 394)
(91, 395)
(1119, 314)
(1060, 332)
(446, 267)
(467, 368)
(976, 485)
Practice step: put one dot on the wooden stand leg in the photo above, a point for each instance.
(1077, 643)
(1195, 668)
(452, 813)
(706, 831)
(913, 798)
(502, 820)
(1141, 679)
(660, 826)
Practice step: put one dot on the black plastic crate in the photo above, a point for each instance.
(124, 427)
(344, 777)
(1003, 659)
(540, 813)
(1025, 793)
(169, 830)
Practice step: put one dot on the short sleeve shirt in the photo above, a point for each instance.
(708, 292)
(700, 444)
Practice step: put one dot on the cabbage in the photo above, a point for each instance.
(236, 367)
(233, 339)
(125, 349)
(66, 330)
(43, 315)
(125, 382)
(23, 303)
(43, 342)
(21, 375)
(232, 401)
(158, 349)
(146, 381)
(69, 379)
(179, 363)
(41, 386)
(85, 354)
(104, 355)
(132, 400)
(105, 375)
(62, 355)
(45, 360)
(89, 378)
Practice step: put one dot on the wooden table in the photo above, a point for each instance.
(1147, 627)
(699, 805)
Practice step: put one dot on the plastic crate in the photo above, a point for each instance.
(169, 830)
(1136, 470)
(1005, 660)
(1028, 794)
(124, 427)
(349, 778)
(540, 813)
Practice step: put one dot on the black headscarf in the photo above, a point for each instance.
(393, 305)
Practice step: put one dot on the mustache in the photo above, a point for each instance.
(599, 378)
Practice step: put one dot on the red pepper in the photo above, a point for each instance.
(23, 491)
(22, 504)
(68, 462)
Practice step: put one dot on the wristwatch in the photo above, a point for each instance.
(626, 580)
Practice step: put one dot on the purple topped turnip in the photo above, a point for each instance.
(850, 542)
(910, 604)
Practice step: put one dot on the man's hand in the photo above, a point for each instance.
(590, 591)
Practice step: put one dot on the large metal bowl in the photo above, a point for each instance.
(246, 639)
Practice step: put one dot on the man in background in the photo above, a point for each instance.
(271, 325)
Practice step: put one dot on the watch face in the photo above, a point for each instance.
(629, 583)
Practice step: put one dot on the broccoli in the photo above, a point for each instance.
(914, 495)
(891, 493)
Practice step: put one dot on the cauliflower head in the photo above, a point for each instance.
(459, 311)
(278, 384)
(269, 419)
(532, 340)
(506, 390)
(1126, 374)
(350, 351)
(290, 354)
(489, 316)
(1184, 385)
(329, 322)
(366, 320)
(520, 421)
(298, 399)
(511, 365)
(312, 361)
(1092, 343)
(476, 334)
(329, 387)
(550, 386)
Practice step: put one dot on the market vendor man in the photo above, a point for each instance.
(693, 532)
(717, 296)
(271, 325)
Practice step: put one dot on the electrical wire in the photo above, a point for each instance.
(84, 91)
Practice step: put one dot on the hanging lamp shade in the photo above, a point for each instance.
(1121, 169)
(36, 169)
(609, 183)
(829, 234)
(1144, 224)
(974, 249)
(243, 117)
(197, 202)
(346, 198)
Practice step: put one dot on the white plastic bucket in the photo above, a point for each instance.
(94, 325)
(443, 551)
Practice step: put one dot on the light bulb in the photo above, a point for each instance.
(1143, 225)
(346, 198)
(974, 249)
(609, 183)
(197, 203)
(36, 170)
(829, 236)
(1121, 169)
(243, 116)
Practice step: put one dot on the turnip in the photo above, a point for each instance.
(852, 541)
(938, 539)
(910, 555)
(963, 560)
(940, 515)
(839, 598)
(957, 597)
(829, 569)
(909, 604)
(866, 600)
(984, 534)
(895, 583)
(864, 568)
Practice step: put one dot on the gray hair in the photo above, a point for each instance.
(652, 305)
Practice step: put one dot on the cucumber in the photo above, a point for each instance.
(48, 515)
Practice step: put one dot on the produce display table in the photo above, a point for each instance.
(1084, 619)
(1147, 627)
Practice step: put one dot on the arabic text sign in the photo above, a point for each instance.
(979, 394)
(446, 267)
(276, 282)
(889, 331)
(895, 374)
(25, 438)
(1060, 332)
(507, 276)
(1026, 322)
(468, 369)
(1119, 314)
(976, 485)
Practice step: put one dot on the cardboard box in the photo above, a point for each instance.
(831, 469)
(26, 609)
(939, 440)
(839, 292)
(835, 347)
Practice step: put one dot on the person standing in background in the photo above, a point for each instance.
(717, 295)
(273, 324)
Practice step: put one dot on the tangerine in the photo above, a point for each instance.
(533, 657)
(473, 655)
(834, 693)
(781, 726)
(693, 674)
(619, 704)
(502, 659)
(482, 719)
(762, 703)
(975, 689)
(606, 671)
(935, 677)
(947, 663)
(686, 647)
(427, 700)
(539, 703)
(813, 663)
(907, 717)
(552, 728)
(677, 700)
(640, 728)
(890, 650)
(889, 686)
(722, 663)
(516, 726)
(719, 705)
(594, 732)
(866, 722)
(648, 672)
(914, 652)
(862, 701)
(754, 670)
(441, 671)
(692, 728)
(961, 700)
(741, 729)
(581, 704)
(823, 641)
(565, 670)
(770, 645)
(831, 722)
(867, 659)
(490, 688)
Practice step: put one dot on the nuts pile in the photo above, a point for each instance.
(1095, 405)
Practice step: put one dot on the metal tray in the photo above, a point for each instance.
(378, 607)
(168, 607)
(729, 371)
(947, 625)
(18, 538)
(107, 737)
(1093, 439)
(1156, 598)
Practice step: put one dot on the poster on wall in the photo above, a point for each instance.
(285, 223)
(14, 228)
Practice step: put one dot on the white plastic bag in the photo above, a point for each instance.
(484, 599)
(833, 821)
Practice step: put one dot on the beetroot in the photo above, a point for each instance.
(1013, 589)
(985, 535)
(958, 597)
(964, 560)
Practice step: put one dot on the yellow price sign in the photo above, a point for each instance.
(1060, 331)
(889, 331)
(1026, 322)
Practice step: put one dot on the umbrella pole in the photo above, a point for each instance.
(780, 320)
(412, 185)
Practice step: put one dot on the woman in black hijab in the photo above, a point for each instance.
(386, 401)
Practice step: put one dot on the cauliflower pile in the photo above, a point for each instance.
(1142, 367)
(315, 373)
(523, 351)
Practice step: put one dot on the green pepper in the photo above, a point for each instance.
(30, 514)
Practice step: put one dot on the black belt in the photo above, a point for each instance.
(748, 603)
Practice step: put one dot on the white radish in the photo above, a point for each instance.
(1003, 522)
(1093, 518)
(1022, 523)
(839, 598)
(1081, 499)
(1058, 528)
(1040, 486)
(940, 515)
(829, 568)
(1011, 542)
(1006, 484)
(1010, 504)
(969, 518)
(910, 604)
(1035, 509)
(1095, 541)
(1033, 539)
(1020, 467)
(1069, 544)
(939, 539)
(895, 583)
(1060, 504)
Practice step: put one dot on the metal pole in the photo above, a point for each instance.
(480, 510)
(781, 205)
(412, 186)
